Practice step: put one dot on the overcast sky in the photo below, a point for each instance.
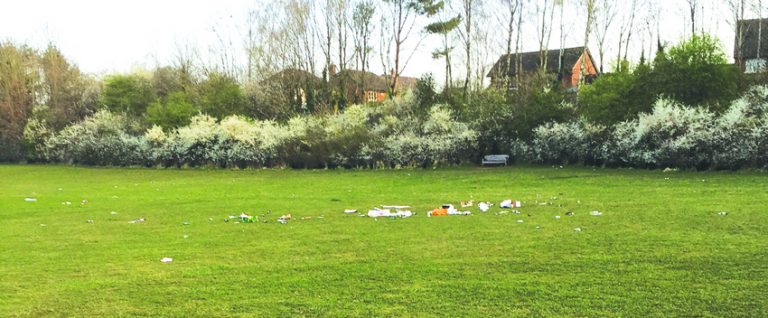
(120, 36)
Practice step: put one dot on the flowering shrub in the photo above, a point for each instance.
(574, 142)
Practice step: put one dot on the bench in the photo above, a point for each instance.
(495, 159)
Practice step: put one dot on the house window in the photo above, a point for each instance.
(755, 66)
(371, 96)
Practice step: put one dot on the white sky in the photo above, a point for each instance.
(119, 36)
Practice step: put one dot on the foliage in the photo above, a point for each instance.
(221, 96)
(127, 93)
(425, 93)
(18, 84)
(609, 100)
(696, 72)
(172, 112)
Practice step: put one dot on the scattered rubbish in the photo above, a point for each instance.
(30, 200)
(232, 217)
(401, 211)
(43, 225)
(245, 218)
(484, 206)
(115, 197)
(519, 221)
(469, 203)
(185, 236)
(543, 203)
(557, 217)
(139, 220)
(166, 260)
(722, 213)
(447, 209)
(282, 221)
(670, 169)
(113, 213)
(595, 213)
(508, 204)
(185, 223)
(578, 229)
(569, 213)
(553, 198)
(350, 211)
(84, 202)
(89, 221)
(66, 203)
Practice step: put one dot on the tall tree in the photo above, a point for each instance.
(402, 17)
(442, 27)
(605, 12)
(362, 28)
(18, 86)
(590, 8)
(545, 12)
(468, 8)
(693, 6)
(63, 89)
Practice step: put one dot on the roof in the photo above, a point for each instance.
(372, 81)
(407, 82)
(531, 61)
(749, 30)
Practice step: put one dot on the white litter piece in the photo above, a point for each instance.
(350, 211)
(722, 213)
(43, 225)
(66, 203)
(484, 206)
(557, 217)
(166, 260)
(508, 204)
(401, 211)
(139, 220)
(515, 211)
(578, 229)
(519, 221)
(281, 220)
(595, 213)
(90, 221)
(30, 200)
(113, 213)
(186, 236)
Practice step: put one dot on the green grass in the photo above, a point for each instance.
(660, 249)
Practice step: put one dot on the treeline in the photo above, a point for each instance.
(172, 116)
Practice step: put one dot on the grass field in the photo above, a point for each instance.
(659, 249)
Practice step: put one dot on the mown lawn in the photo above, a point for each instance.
(659, 249)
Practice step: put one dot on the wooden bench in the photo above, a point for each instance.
(495, 159)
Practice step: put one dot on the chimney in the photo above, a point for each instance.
(332, 70)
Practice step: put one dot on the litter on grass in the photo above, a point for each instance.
(578, 229)
(447, 209)
(508, 204)
(30, 200)
(90, 221)
(350, 211)
(113, 213)
(722, 213)
(569, 213)
(484, 206)
(139, 220)
(519, 221)
(66, 203)
(400, 211)
(595, 213)
(557, 217)
(166, 260)
(469, 203)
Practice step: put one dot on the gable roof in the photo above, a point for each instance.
(372, 81)
(531, 61)
(749, 31)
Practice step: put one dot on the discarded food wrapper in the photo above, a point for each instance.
(166, 260)
(90, 221)
(401, 211)
(578, 229)
(722, 213)
(468, 203)
(569, 213)
(282, 221)
(557, 217)
(508, 204)
(519, 221)
(350, 211)
(484, 206)
(66, 203)
(30, 200)
(139, 220)
(595, 213)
